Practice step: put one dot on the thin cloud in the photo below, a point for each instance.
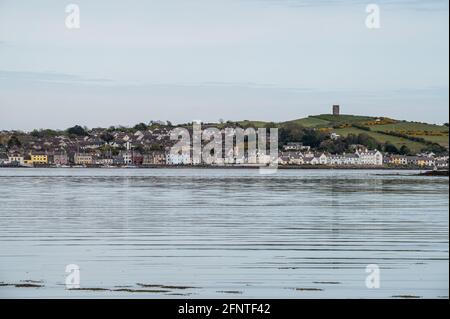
(50, 77)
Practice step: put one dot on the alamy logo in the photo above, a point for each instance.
(373, 279)
(73, 277)
(73, 18)
(225, 147)
(373, 19)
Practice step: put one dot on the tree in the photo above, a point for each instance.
(14, 141)
(140, 127)
(352, 139)
(334, 147)
(44, 133)
(107, 137)
(290, 132)
(156, 147)
(368, 141)
(435, 148)
(77, 130)
(390, 148)
(139, 149)
(313, 138)
(404, 150)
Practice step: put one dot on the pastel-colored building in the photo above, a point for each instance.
(39, 159)
(60, 159)
(154, 158)
(15, 159)
(83, 159)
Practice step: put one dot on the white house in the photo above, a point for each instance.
(293, 146)
(336, 159)
(370, 158)
(178, 159)
(311, 160)
(334, 136)
(442, 163)
(127, 158)
(352, 159)
(323, 159)
(15, 159)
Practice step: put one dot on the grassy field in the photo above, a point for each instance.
(383, 138)
(411, 126)
(429, 132)
(311, 122)
(344, 118)
(254, 124)
(442, 140)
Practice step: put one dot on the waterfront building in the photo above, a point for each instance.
(323, 159)
(283, 159)
(104, 161)
(344, 159)
(137, 159)
(442, 163)
(178, 159)
(39, 159)
(425, 162)
(370, 158)
(311, 160)
(118, 160)
(399, 160)
(294, 158)
(60, 159)
(127, 158)
(15, 159)
(83, 159)
(154, 158)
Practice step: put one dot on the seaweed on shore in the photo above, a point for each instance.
(141, 290)
(89, 289)
(233, 292)
(407, 297)
(435, 173)
(23, 284)
(165, 286)
(308, 289)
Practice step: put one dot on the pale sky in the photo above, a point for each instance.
(182, 60)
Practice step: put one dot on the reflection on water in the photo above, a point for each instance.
(222, 233)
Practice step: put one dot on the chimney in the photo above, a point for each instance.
(336, 110)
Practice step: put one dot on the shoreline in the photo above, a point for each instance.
(281, 167)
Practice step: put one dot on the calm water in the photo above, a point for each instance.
(224, 233)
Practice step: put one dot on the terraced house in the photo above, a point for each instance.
(16, 159)
(154, 158)
(82, 159)
(38, 159)
(60, 159)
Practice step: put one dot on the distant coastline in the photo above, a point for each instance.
(281, 167)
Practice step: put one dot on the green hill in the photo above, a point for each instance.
(416, 136)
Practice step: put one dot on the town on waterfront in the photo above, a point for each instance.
(344, 141)
(228, 158)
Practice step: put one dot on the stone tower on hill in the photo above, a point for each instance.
(336, 110)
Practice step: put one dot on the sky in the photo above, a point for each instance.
(183, 60)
